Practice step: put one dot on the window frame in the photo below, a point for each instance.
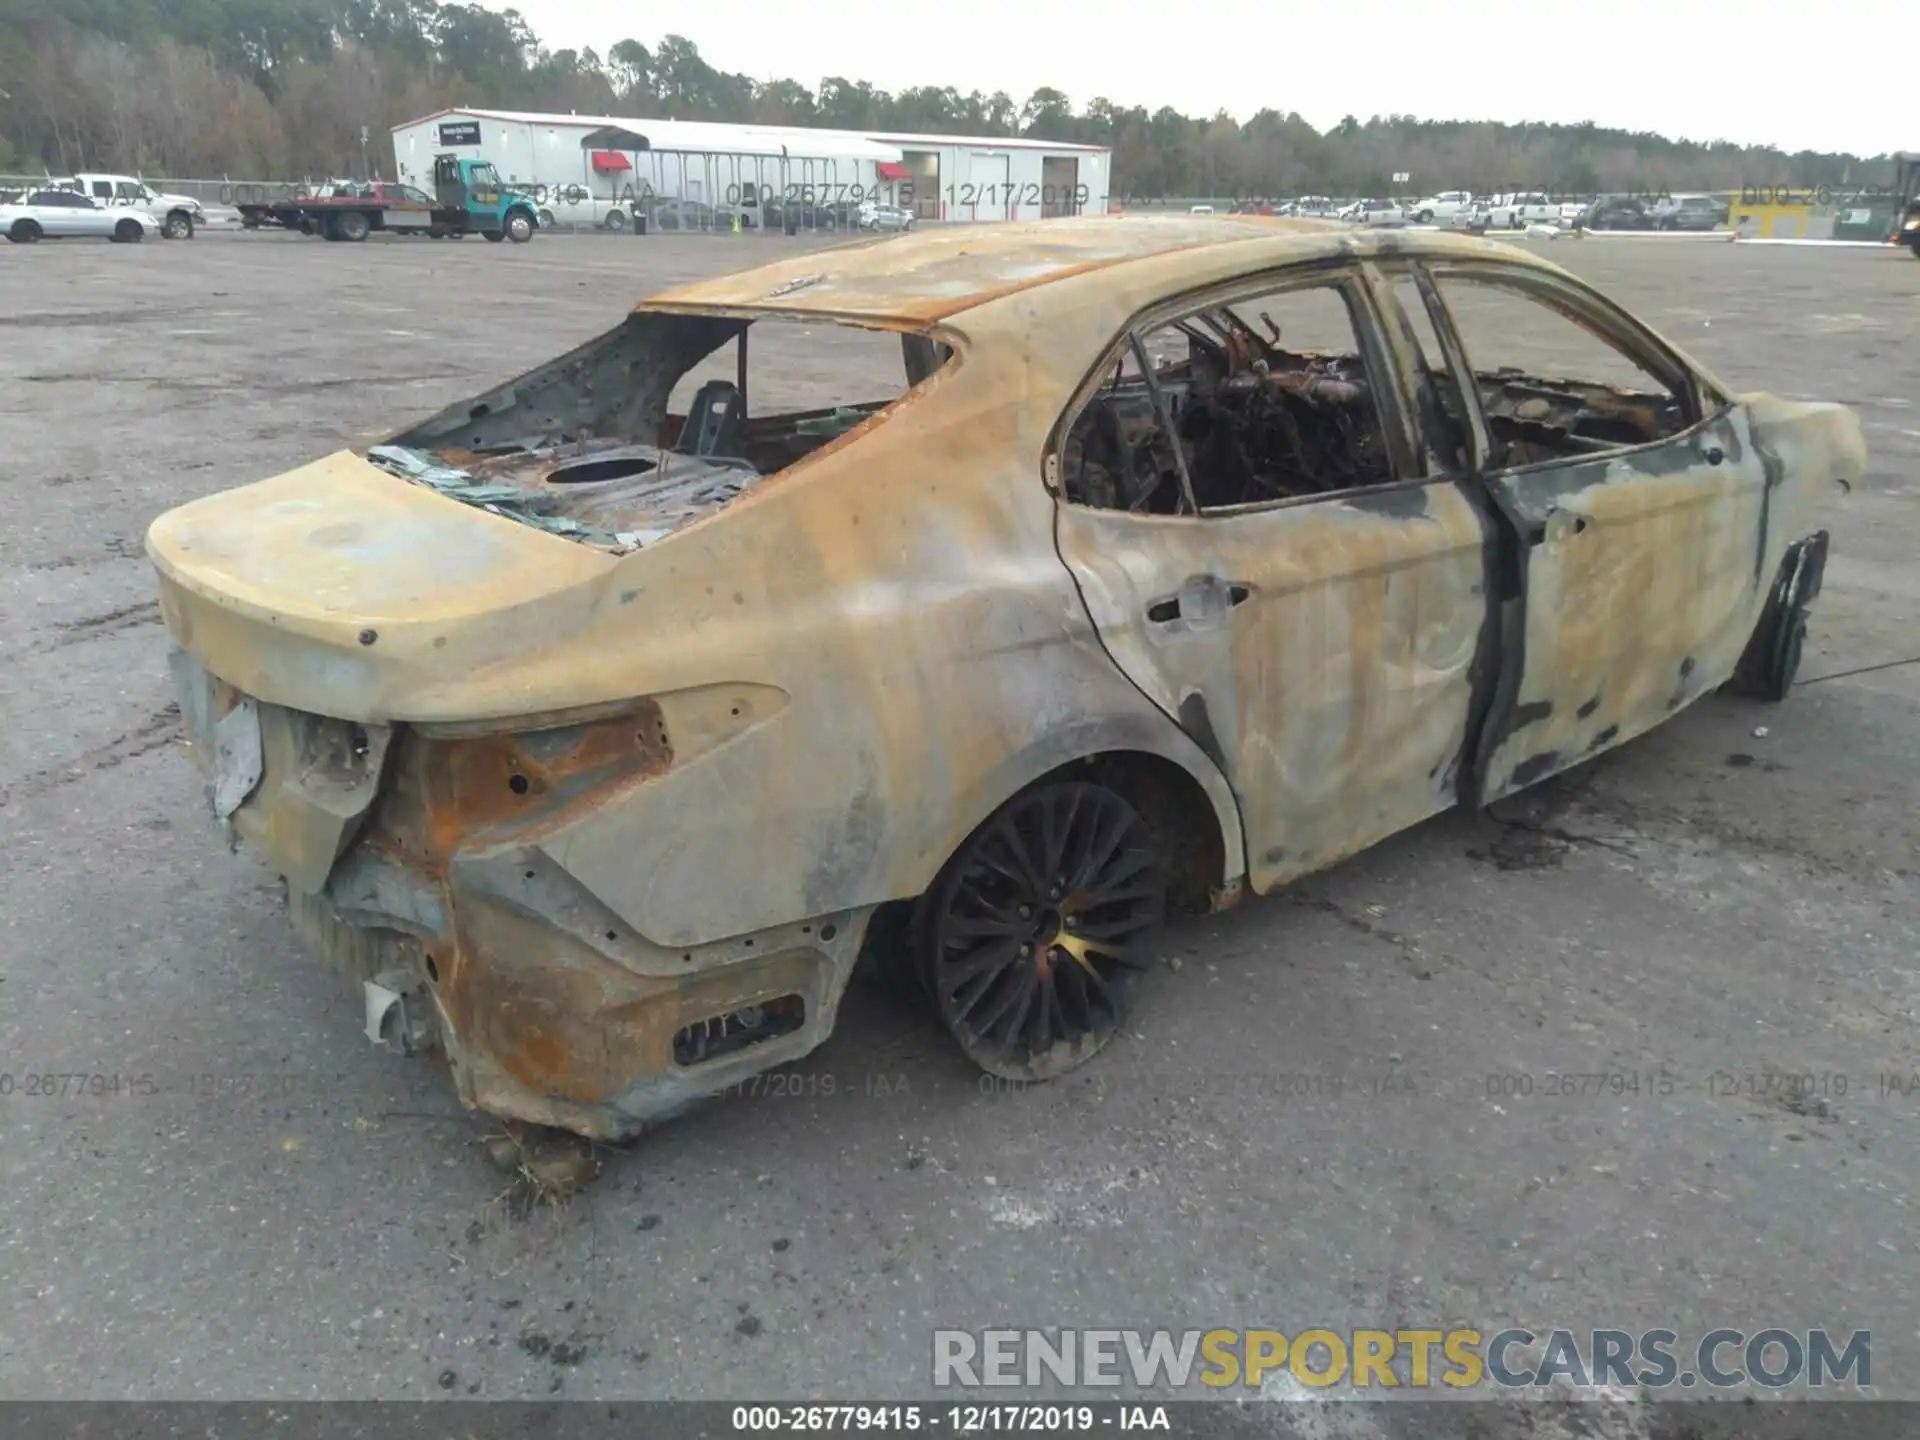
(1388, 272)
(1346, 276)
(1580, 305)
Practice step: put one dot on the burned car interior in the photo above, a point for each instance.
(1257, 416)
(1253, 417)
(1551, 388)
(592, 447)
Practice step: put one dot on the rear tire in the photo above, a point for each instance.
(616, 221)
(353, 225)
(24, 232)
(127, 232)
(1033, 941)
(1914, 246)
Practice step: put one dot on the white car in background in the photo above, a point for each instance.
(69, 215)
(1374, 212)
(1447, 206)
(872, 215)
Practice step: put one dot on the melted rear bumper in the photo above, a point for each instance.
(538, 1025)
(548, 1007)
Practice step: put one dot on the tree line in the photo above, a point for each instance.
(280, 89)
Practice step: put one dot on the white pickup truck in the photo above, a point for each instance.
(178, 215)
(1517, 211)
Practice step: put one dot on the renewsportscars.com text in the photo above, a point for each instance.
(1446, 1360)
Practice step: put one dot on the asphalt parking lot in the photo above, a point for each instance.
(1318, 1119)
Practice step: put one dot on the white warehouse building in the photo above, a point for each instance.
(608, 160)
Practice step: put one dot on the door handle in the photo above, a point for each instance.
(1202, 599)
(1559, 526)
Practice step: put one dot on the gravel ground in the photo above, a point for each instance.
(1298, 1133)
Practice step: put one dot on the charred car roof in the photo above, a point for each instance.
(920, 277)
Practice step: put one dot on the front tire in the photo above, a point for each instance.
(547, 222)
(1772, 658)
(1034, 940)
(496, 236)
(179, 225)
(1425, 217)
(353, 225)
(519, 227)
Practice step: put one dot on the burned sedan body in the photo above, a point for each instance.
(598, 732)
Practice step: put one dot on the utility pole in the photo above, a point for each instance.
(364, 175)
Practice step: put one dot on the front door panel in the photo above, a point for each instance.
(1645, 572)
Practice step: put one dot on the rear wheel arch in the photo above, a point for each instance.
(1183, 801)
(1181, 813)
(1172, 783)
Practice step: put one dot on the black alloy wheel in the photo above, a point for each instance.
(1034, 941)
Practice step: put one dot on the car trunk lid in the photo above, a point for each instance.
(344, 591)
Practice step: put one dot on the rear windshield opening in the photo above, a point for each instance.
(663, 419)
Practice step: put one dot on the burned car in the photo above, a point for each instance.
(598, 734)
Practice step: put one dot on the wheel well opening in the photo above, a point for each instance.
(1175, 805)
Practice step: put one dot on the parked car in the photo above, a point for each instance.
(1516, 212)
(1447, 205)
(796, 215)
(1618, 212)
(1472, 219)
(179, 215)
(603, 800)
(873, 215)
(1689, 212)
(671, 214)
(60, 214)
(1374, 212)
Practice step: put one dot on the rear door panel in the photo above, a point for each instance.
(1335, 693)
(1331, 653)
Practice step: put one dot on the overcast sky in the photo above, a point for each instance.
(1836, 76)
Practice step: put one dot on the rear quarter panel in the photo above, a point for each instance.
(902, 589)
